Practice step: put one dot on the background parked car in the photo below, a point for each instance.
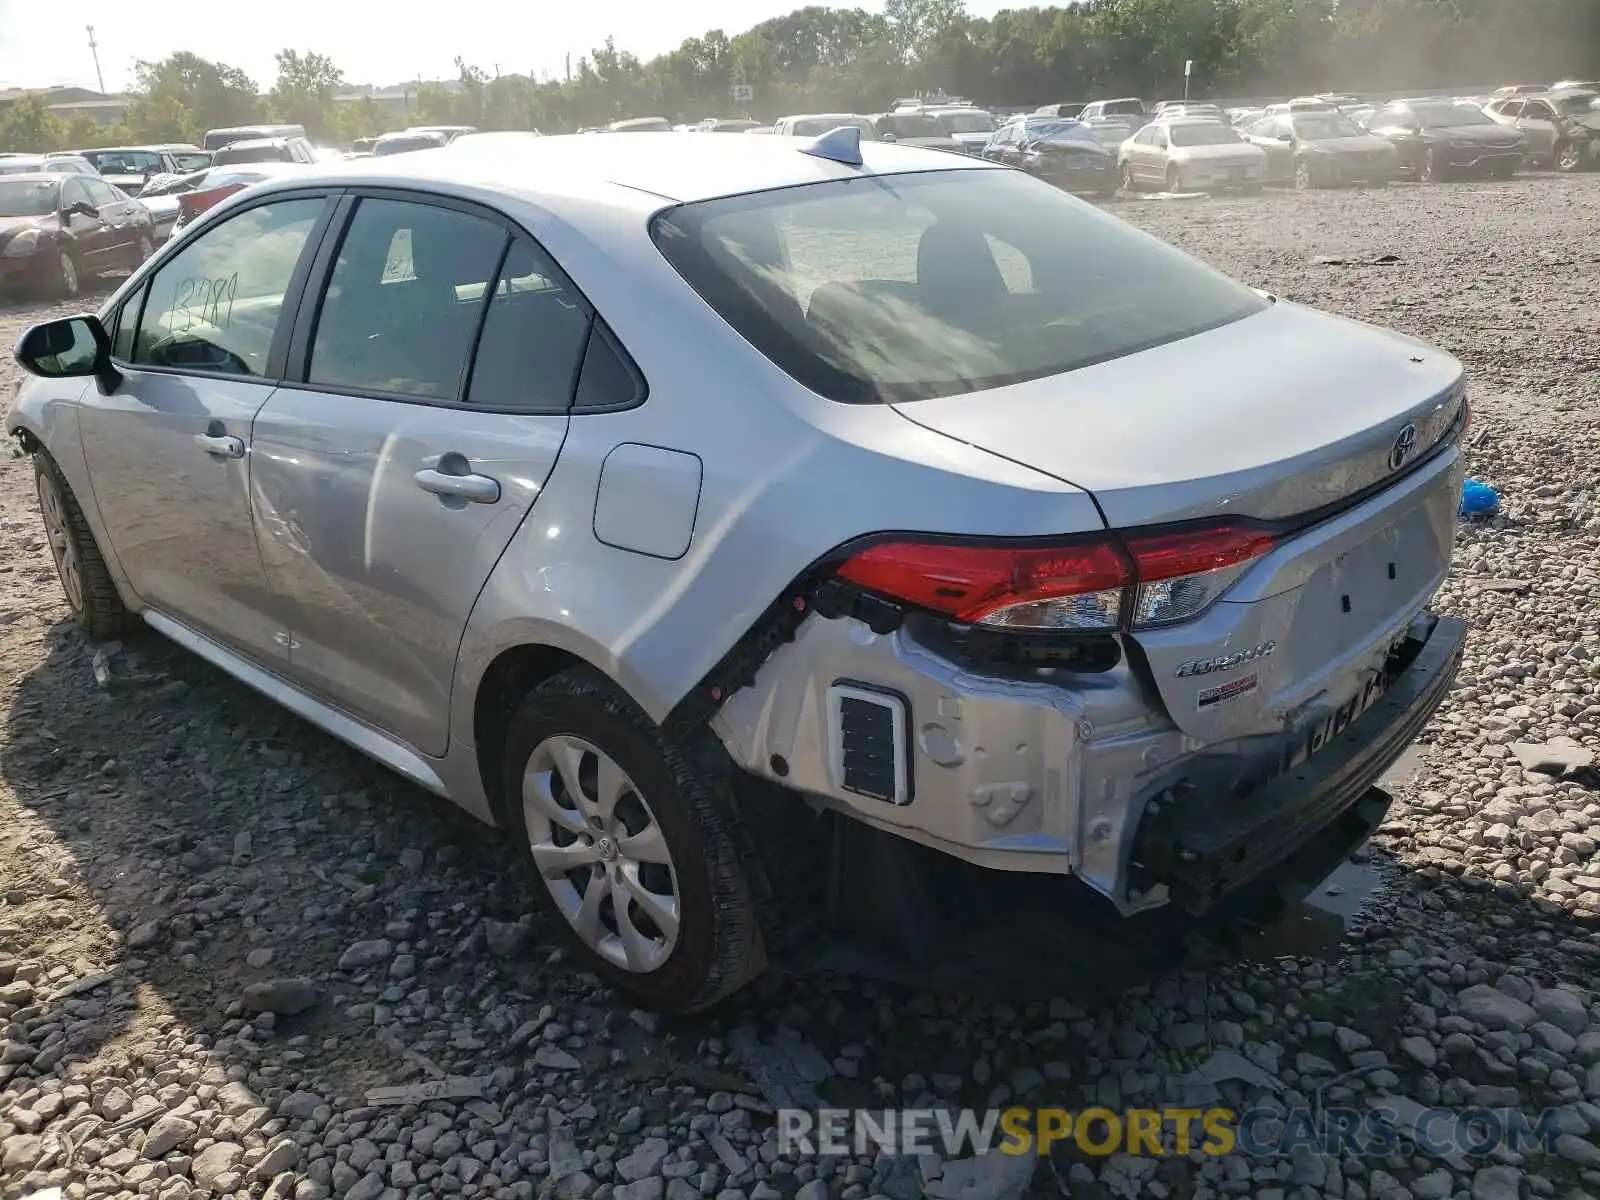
(1063, 152)
(1439, 139)
(1190, 154)
(216, 139)
(817, 124)
(50, 164)
(726, 125)
(640, 125)
(1535, 119)
(1517, 89)
(969, 125)
(1127, 108)
(449, 132)
(58, 230)
(131, 168)
(1578, 121)
(211, 187)
(914, 129)
(1201, 112)
(256, 150)
(1322, 149)
(1241, 117)
(1070, 109)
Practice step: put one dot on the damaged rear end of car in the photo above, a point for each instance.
(1196, 697)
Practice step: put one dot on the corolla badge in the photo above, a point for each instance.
(1404, 444)
(1224, 662)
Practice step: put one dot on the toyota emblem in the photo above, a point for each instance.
(1404, 444)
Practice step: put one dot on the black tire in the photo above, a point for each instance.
(143, 249)
(1129, 183)
(1303, 178)
(65, 281)
(1502, 172)
(1569, 157)
(719, 947)
(1174, 178)
(85, 578)
(1432, 170)
(1106, 194)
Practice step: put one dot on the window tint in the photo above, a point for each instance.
(532, 340)
(878, 290)
(607, 381)
(214, 306)
(404, 300)
(101, 192)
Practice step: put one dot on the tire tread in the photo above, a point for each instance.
(104, 616)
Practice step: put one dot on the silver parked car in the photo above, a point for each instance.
(637, 495)
(1190, 153)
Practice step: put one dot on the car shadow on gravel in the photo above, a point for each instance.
(184, 839)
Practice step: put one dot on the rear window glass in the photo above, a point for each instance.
(903, 287)
(1203, 135)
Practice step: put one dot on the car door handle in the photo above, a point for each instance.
(220, 444)
(479, 489)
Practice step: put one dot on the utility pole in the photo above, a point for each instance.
(94, 49)
(569, 66)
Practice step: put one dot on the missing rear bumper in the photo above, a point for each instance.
(1205, 847)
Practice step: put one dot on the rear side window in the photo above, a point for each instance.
(888, 288)
(404, 300)
(214, 306)
(533, 338)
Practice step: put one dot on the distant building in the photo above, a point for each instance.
(395, 100)
(70, 102)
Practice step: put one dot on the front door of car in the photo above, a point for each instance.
(120, 220)
(80, 216)
(438, 370)
(200, 347)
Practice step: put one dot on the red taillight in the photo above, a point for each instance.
(1082, 584)
(1160, 556)
(192, 204)
(969, 583)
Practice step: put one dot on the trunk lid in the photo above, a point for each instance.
(1282, 413)
(1275, 417)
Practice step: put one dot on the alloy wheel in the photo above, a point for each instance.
(1129, 184)
(601, 853)
(146, 248)
(1302, 175)
(1174, 179)
(1570, 158)
(62, 548)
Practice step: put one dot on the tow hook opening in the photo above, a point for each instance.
(26, 444)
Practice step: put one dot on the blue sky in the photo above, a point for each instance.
(43, 45)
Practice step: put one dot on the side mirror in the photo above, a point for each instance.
(69, 348)
(889, 137)
(82, 208)
(1285, 137)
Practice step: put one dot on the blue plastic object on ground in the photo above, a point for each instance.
(1478, 499)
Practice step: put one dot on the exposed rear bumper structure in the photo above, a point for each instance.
(1206, 847)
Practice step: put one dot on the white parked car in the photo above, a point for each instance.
(704, 513)
(1190, 154)
(1535, 118)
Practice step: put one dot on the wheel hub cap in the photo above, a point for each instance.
(601, 853)
(62, 549)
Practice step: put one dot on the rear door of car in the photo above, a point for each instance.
(435, 364)
(121, 216)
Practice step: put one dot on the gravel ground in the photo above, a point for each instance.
(219, 929)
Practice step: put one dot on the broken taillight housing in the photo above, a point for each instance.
(1091, 584)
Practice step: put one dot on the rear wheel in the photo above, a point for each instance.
(628, 850)
(1129, 183)
(1303, 180)
(1432, 167)
(1569, 157)
(143, 249)
(85, 579)
(1502, 172)
(1174, 178)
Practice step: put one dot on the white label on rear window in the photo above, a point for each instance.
(1223, 693)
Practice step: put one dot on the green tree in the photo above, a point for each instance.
(305, 90)
(163, 118)
(28, 125)
(213, 94)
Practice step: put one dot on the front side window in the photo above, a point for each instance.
(73, 192)
(102, 193)
(214, 306)
(882, 289)
(1314, 127)
(404, 300)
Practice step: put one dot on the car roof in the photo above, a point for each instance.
(254, 144)
(679, 170)
(38, 177)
